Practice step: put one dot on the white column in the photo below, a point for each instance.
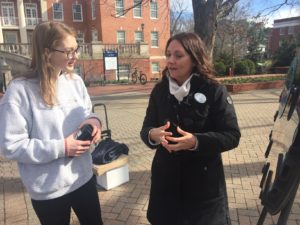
(44, 10)
(22, 22)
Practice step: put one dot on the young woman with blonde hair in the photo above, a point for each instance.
(40, 115)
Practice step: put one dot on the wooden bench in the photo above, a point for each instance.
(112, 174)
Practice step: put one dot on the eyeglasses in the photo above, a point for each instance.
(70, 54)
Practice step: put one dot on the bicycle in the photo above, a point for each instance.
(138, 75)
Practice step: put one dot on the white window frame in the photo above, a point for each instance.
(93, 9)
(77, 16)
(154, 39)
(281, 30)
(59, 11)
(10, 35)
(29, 36)
(138, 36)
(155, 67)
(120, 8)
(32, 19)
(80, 37)
(153, 10)
(8, 14)
(94, 35)
(137, 9)
(124, 71)
(121, 40)
(78, 69)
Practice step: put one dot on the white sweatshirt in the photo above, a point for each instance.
(33, 134)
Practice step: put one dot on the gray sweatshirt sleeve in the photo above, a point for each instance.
(15, 142)
(30, 133)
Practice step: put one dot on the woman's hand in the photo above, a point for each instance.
(96, 134)
(158, 134)
(187, 141)
(74, 147)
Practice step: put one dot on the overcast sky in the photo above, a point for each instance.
(263, 6)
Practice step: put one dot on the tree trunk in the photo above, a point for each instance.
(206, 15)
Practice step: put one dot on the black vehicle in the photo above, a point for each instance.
(281, 172)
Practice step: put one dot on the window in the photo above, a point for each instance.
(290, 30)
(31, 14)
(154, 39)
(281, 31)
(120, 8)
(58, 11)
(78, 69)
(137, 9)
(138, 36)
(10, 37)
(8, 14)
(93, 9)
(94, 35)
(153, 10)
(77, 12)
(124, 71)
(121, 37)
(155, 67)
(29, 36)
(80, 37)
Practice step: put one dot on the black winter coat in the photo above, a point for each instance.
(188, 187)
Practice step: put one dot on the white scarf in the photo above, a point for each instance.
(179, 92)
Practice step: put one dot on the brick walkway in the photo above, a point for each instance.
(127, 204)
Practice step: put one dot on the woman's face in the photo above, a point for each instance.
(64, 55)
(179, 62)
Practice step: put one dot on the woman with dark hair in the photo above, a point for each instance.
(190, 121)
(40, 115)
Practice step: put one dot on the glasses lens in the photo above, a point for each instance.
(71, 54)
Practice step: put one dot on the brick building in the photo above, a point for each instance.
(137, 29)
(283, 29)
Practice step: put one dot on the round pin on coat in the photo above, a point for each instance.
(229, 100)
(199, 97)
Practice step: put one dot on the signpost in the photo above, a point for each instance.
(110, 58)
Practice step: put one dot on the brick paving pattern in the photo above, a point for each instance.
(127, 204)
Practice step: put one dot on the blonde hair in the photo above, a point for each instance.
(47, 35)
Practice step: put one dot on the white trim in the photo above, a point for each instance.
(62, 11)
(74, 12)
(157, 57)
(286, 23)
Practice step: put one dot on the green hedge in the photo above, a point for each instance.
(245, 67)
(251, 80)
(220, 68)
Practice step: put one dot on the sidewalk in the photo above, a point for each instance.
(127, 204)
(120, 88)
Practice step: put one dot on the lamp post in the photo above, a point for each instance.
(142, 26)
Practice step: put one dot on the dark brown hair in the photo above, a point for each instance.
(195, 47)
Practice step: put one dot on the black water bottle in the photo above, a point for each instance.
(85, 133)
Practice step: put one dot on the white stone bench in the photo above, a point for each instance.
(112, 174)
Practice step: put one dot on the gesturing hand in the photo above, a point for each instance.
(158, 134)
(186, 142)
